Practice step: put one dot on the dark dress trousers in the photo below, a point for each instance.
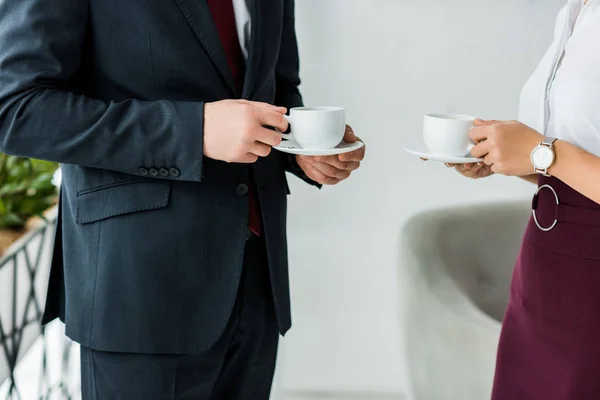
(152, 234)
(239, 366)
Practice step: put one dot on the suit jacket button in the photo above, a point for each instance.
(153, 172)
(143, 171)
(241, 190)
(163, 172)
(174, 172)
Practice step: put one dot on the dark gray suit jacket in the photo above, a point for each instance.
(152, 233)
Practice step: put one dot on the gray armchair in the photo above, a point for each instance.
(455, 275)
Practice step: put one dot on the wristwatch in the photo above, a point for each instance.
(543, 156)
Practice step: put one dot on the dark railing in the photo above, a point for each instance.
(23, 279)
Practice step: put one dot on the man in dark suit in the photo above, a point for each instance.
(170, 266)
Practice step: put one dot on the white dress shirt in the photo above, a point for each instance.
(243, 23)
(562, 97)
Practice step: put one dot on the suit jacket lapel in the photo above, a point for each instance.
(200, 20)
(257, 9)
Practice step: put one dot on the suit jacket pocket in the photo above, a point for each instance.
(124, 198)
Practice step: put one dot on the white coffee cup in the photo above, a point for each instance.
(316, 127)
(448, 134)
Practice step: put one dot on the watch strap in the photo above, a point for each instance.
(548, 141)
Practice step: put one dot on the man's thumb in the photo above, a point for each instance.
(349, 136)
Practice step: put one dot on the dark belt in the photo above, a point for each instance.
(565, 212)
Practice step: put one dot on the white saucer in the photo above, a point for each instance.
(291, 147)
(445, 159)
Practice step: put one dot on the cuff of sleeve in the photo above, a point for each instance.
(188, 134)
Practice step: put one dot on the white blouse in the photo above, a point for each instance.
(562, 97)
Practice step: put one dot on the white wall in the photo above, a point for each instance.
(389, 62)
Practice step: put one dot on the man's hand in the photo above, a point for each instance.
(331, 170)
(234, 130)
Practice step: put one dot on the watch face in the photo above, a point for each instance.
(542, 157)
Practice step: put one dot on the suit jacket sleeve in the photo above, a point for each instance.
(40, 51)
(288, 78)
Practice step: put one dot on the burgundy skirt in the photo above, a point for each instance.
(550, 343)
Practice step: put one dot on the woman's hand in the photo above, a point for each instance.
(470, 170)
(473, 170)
(505, 146)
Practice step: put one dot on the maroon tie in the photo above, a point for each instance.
(224, 17)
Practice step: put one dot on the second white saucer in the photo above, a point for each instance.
(441, 158)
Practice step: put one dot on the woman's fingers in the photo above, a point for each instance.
(469, 170)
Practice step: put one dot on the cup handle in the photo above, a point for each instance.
(287, 136)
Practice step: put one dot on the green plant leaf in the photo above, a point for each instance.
(13, 221)
(41, 182)
(14, 188)
(29, 206)
(26, 189)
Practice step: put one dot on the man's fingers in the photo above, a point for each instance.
(248, 158)
(336, 162)
(323, 159)
(332, 167)
(260, 149)
(349, 135)
(357, 155)
(331, 171)
(274, 119)
(265, 106)
(316, 175)
(348, 165)
(267, 136)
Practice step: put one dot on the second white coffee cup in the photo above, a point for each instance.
(316, 127)
(448, 134)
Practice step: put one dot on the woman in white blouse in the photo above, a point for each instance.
(550, 343)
